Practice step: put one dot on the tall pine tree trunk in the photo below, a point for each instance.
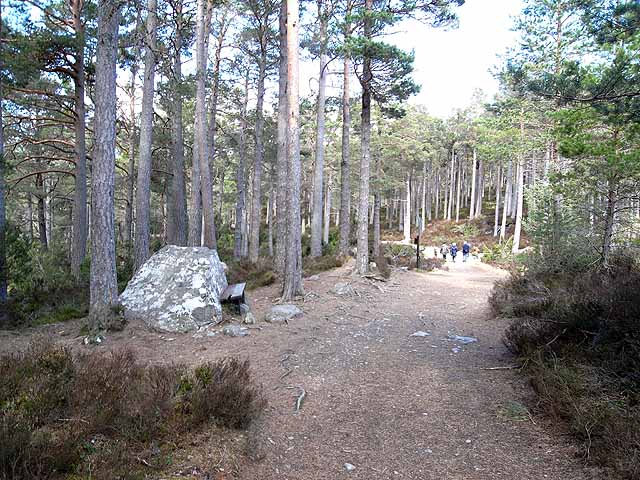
(362, 258)
(203, 21)
(3, 252)
(42, 220)
(256, 206)
(103, 282)
(80, 226)
(292, 285)
(143, 186)
(282, 167)
(318, 176)
(240, 175)
(177, 204)
(131, 180)
(327, 212)
(345, 186)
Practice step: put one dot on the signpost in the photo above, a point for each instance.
(419, 227)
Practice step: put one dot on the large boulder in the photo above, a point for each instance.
(177, 290)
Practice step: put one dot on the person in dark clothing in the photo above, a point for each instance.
(454, 251)
(466, 248)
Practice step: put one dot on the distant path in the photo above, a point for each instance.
(393, 406)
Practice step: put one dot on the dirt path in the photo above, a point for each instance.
(391, 405)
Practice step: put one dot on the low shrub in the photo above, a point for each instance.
(578, 336)
(99, 415)
(258, 274)
(313, 265)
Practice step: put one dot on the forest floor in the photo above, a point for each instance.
(390, 404)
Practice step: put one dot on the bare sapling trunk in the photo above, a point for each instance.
(480, 188)
(42, 220)
(292, 285)
(407, 210)
(318, 176)
(327, 213)
(80, 225)
(519, 204)
(505, 207)
(282, 167)
(472, 200)
(143, 185)
(458, 191)
(103, 282)
(609, 219)
(497, 211)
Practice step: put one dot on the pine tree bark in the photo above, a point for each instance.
(327, 212)
(3, 224)
(292, 285)
(80, 226)
(203, 23)
(377, 201)
(480, 188)
(177, 205)
(407, 210)
(256, 206)
(362, 258)
(240, 175)
(128, 216)
(143, 184)
(103, 281)
(282, 168)
(318, 176)
(345, 186)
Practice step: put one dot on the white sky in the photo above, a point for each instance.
(450, 65)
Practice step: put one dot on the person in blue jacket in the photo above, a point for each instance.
(466, 248)
(454, 251)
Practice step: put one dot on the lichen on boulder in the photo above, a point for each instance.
(177, 290)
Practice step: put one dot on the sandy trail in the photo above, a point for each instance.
(391, 405)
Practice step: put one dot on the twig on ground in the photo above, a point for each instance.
(556, 337)
(300, 399)
(508, 367)
(285, 374)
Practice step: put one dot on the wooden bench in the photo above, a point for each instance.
(234, 293)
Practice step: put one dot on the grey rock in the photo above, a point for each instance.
(235, 331)
(177, 290)
(461, 339)
(244, 309)
(313, 278)
(249, 319)
(282, 313)
(343, 289)
(420, 333)
(349, 468)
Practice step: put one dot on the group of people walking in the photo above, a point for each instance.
(453, 251)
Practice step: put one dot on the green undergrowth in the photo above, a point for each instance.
(107, 416)
(578, 336)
